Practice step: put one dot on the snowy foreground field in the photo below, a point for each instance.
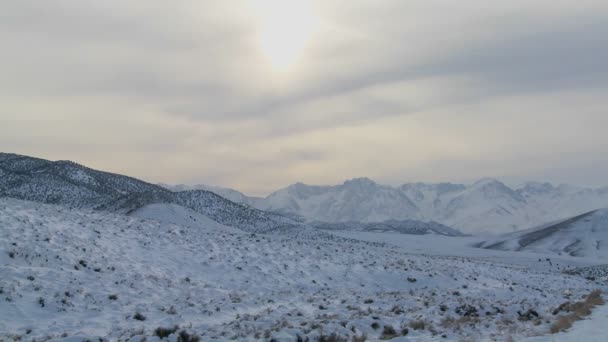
(71, 275)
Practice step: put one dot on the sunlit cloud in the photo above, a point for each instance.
(258, 94)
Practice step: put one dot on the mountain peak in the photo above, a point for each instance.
(492, 188)
(298, 187)
(487, 181)
(533, 187)
(361, 181)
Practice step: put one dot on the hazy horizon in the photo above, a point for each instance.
(255, 95)
(514, 184)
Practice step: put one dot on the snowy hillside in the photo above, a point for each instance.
(75, 186)
(218, 209)
(585, 235)
(229, 194)
(568, 200)
(178, 215)
(66, 273)
(64, 182)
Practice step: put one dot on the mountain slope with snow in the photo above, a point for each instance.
(230, 194)
(66, 273)
(76, 186)
(64, 182)
(584, 235)
(181, 216)
(356, 200)
(487, 201)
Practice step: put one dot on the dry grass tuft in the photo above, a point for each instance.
(361, 338)
(578, 311)
(563, 323)
(418, 324)
(332, 338)
(458, 323)
(388, 333)
(595, 298)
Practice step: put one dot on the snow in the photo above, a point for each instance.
(584, 235)
(403, 227)
(64, 182)
(176, 214)
(227, 271)
(60, 268)
(80, 175)
(356, 200)
(230, 194)
(588, 330)
(487, 206)
(75, 186)
(465, 247)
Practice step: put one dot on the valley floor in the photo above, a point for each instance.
(67, 274)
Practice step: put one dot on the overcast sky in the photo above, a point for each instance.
(256, 95)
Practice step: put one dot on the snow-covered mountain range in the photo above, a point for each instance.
(486, 206)
(75, 186)
(584, 235)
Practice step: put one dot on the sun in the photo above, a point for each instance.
(286, 27)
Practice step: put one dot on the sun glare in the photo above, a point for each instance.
(286, 27)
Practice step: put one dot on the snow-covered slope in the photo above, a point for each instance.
(587, 330)
(176, 214)
(64, 182)
(75, 186)
(220, 210)
(567, 200)
(584, 235)
(230, 194)
(359, 199)
(487, 205)
(66, 273)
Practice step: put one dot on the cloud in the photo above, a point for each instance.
(398, 91)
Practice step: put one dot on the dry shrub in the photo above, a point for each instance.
(506, 321)
(595, 298)
(563, 323)
(163, 332)
(457, 323)
(332, 338)
(578, 311)
(581, 309)
(361, 338)
(418, 324)
(388, 333)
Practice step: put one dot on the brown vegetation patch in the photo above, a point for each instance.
(578, 311)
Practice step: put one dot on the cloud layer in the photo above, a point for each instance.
(395, 90)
